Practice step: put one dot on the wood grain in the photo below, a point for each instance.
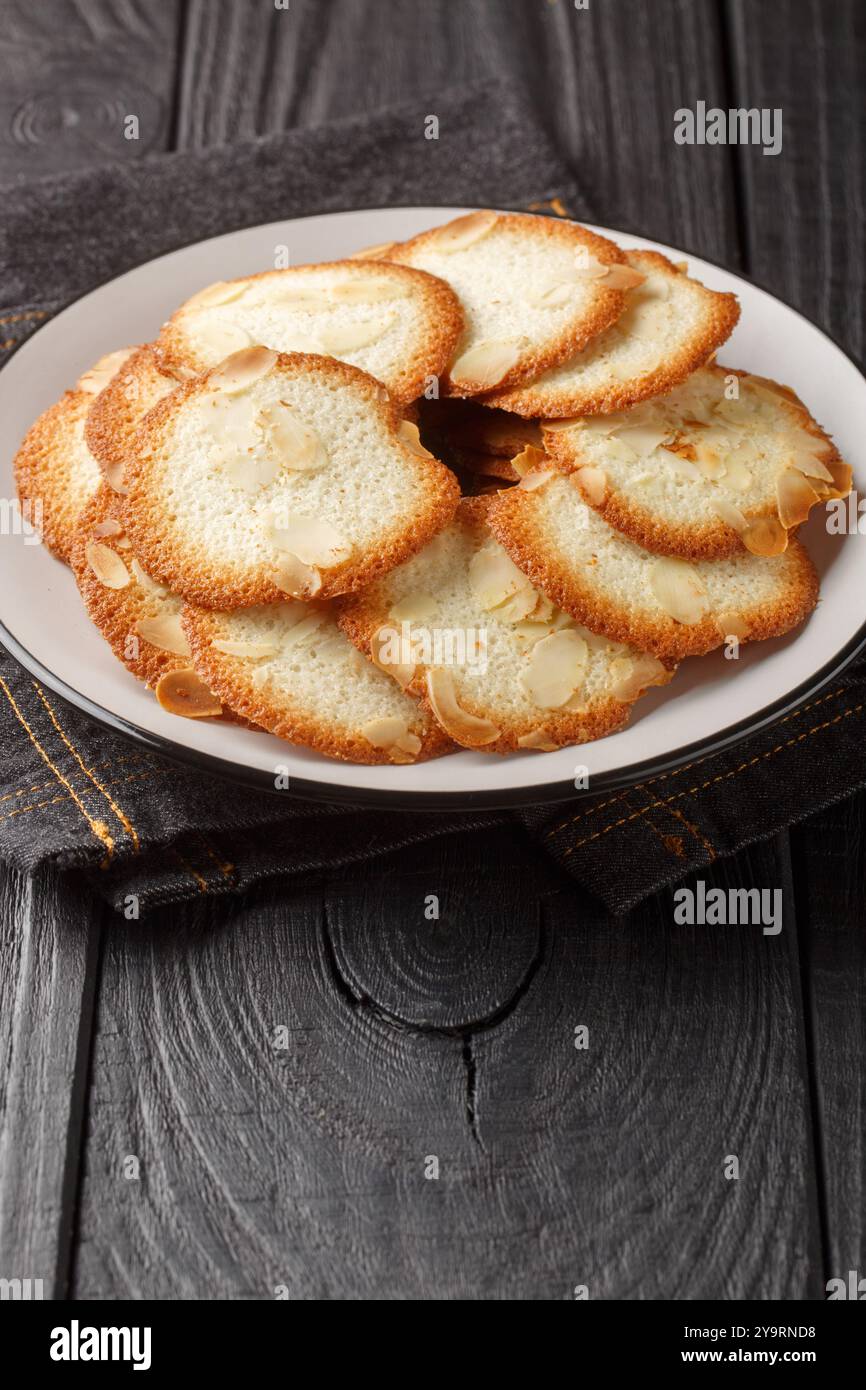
(48, 958)
(249, 70)
(73, 71)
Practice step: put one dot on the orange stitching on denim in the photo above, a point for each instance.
(119, 813)
(16, 318)
(194, 873)
(686, 767)
(722, 777)
(225, 868)
(99, 828)
(91, 791)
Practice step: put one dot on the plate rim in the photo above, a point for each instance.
(547, 794)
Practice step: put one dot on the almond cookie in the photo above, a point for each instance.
(534, 291)
(723, 461)
(398, 324)
(276, 475)
(660, 603)
(497, 664)
(289, 668)
(121, 406)
(55, 471)
(671, 324)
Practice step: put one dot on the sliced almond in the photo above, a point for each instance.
(566, 423)
(729, 514)
(100, 374)
(633, 675)
(107, 565)
(109, 527)
(737, 475)
(622, 277)
(536, 479)
(185, 693)
(586, 267)
(367, 291)
(592, 483)
(293, 577)
(795, 497)
(484, 365)
(312, 540)
(538, 739)
(466, 729)
(680, 590)
(250, 472)
(347, 337)
(766, 536)
(732, 625)
(298, 446)
(552, 296)
(219, 340)
(644, 439)
(223, 292)
(531, 631)
(708, 461)
(391, 733)
(556, 669)
(544, 610)
(307, 627)
(113, 475)
(518, 607)
(165, 632)
(682, 465)
(411, 437)
(378, 252)
(246, 651)
(382, 644)
(144, 581)
(494, 577)
(528, 460)
(239, 371)
(808, 464)
(464, 231)
(414, 608)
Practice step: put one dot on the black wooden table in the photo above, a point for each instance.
(322, 1091)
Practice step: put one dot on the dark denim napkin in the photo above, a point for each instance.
(145, 829)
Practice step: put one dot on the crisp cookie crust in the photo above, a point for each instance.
(399, 324)
(670, 326)
(495, 708)
(294, 673)
(118, 612)
(55, 472)
(119, 409)
(216, 481)
(699, 473)
(617, 588)
(510, 279)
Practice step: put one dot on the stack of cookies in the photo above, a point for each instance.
(481, 489)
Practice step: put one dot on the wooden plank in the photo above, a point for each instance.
(830, 854)
(297, 1161)
(48, 959)
(250, 70)
(73, 71)
(807, 60)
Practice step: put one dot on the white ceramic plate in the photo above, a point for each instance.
(712, 702)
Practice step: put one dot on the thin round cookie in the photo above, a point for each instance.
(55, 472)
(139, 619)
(288, 668)
(663, 605)
(724, 460)
(398, 324)
(276, 475)
(534, 291)
(121, 406)
(499, 667)
(671, 324)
